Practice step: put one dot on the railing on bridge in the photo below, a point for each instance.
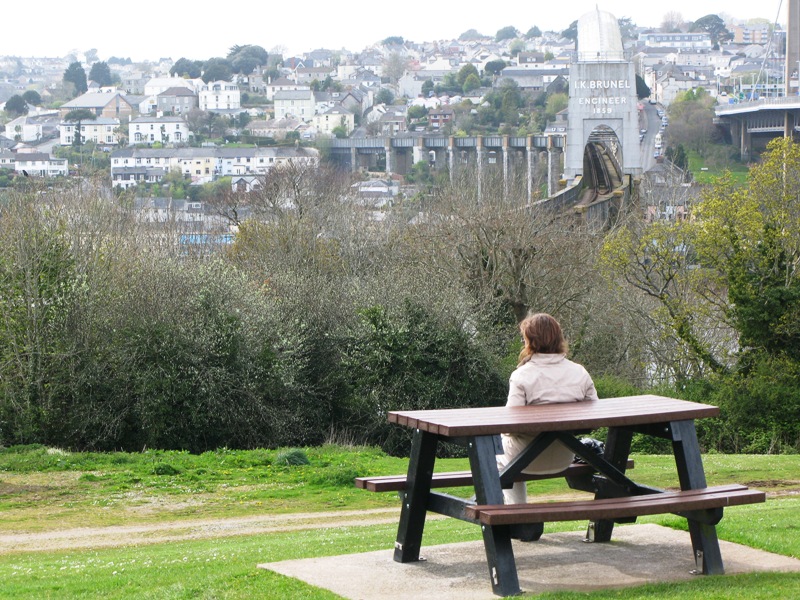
(442, 141)
(779, 102)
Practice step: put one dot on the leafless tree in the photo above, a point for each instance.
(672, 22)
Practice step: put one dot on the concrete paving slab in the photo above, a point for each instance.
(637, 554)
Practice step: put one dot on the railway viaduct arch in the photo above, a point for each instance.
(602, 98)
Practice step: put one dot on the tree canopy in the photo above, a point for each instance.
(77, 116)
(384, 96)
(692, 120)
(466, 71)
(493, 67)
(642, 89)
(672, 22)
(217, 69)
(75, 75)
(16, 105)
(394, 66)
(472, 82)
(80, 114)
(714, 26)
(533, 32)
(32, 97)
(627, 28)
(100, 73)
(571, 32)
(508, 32)
(184, 67)
(750, 236)
(470, 34)
(393, 40)
(244, 59)
(734, 266)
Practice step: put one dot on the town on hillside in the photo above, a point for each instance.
(139, 125)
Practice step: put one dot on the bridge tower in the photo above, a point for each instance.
(602, 95)
(792, 46)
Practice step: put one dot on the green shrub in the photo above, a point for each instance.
(291, 457)
(608, 386)
(164, 469)
(408, 359)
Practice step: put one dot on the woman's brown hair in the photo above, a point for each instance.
(542, 335)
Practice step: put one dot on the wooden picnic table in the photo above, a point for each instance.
(616, 496)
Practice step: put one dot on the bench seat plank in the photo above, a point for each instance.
(616, 508)
(397, 483)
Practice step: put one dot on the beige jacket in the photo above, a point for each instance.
(545, 379)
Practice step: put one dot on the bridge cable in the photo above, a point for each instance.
(767, 51)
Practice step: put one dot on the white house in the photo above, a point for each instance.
(299, 104)
(694, 40)
(334, 117)
(283, 84)
(219, 95)
(259, 161)
(163, 130)
(131, 166)
(157, 85)
(274, 128)
(670, 82)
(103, 131)
(41, 164)
(7, 159)
(24, 129)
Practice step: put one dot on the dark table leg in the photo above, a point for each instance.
(415, 497)
(617, 450)
(496, 540)
(689, 463)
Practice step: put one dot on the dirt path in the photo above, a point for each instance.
(186, 529)
(116, 536)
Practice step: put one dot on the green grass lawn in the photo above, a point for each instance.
(43, 490)
(707, 174)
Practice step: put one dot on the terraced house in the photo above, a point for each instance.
(132, 166)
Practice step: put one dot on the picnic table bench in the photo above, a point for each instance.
(616, 497)
(398, 483)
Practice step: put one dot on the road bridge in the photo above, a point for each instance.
(753, 124)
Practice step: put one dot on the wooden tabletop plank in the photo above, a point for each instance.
(628, 410)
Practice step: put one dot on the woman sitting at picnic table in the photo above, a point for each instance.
(543, 375)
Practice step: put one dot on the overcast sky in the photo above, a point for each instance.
(147, 31)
